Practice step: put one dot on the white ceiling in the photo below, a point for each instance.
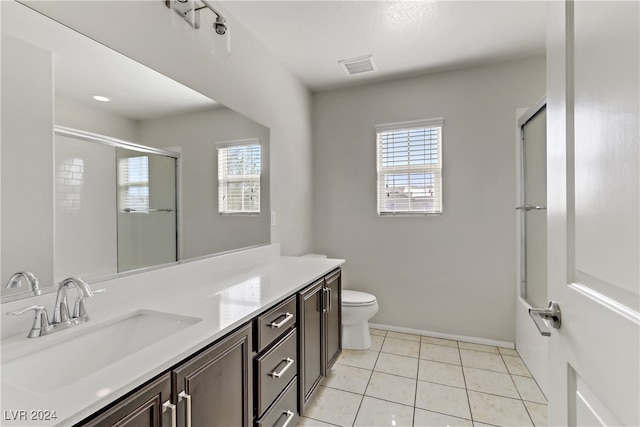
(84, 67)
(404, 37)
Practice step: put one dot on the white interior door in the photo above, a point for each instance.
(593, 211)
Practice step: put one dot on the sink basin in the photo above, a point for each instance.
(88, 351)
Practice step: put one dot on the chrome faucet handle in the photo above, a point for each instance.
(40, 322)
(61, 312)
(16, 280)
(79, 312)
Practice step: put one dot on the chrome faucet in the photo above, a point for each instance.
(61, 310)
(61, 317)
(15, 281)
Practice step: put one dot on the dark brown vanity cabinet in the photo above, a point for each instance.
(212, 388)
(142, 408)
(276, 366)
(320, 342)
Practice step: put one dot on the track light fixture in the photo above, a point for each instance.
(189, 11)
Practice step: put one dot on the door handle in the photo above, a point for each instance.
(288, 316)
(531, 208)
(187, 397)
(170, 406)
(551, 313)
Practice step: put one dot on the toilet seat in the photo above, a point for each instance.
(355, 298)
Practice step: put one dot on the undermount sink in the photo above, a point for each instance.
(82, 354)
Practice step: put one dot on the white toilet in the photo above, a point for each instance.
(357, 309)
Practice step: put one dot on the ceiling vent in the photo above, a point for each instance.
(363, 64)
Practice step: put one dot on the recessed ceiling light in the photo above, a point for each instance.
(101, 98)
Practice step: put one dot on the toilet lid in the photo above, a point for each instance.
(354, 298)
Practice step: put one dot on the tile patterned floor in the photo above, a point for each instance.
(412, 380)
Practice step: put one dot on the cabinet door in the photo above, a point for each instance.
(333, 318)
(143, 408)
(311, 330)
(219, 383)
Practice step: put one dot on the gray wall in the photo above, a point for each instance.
(454, 273)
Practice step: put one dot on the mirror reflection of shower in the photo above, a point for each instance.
(115, 207)
(146, 209)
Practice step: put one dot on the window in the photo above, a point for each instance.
(410, 167)
(239, 177)
(133, 184)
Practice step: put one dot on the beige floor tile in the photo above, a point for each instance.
(365, 359)
(478, 347)
(403, 336)
(438, 341)
(310, 422)
(424, 418)
(516, 366)
(498, 410)
(538, 413)
(440, 353)
(376, 342)
(477, 424)
(441, 373)
(490, 382)
(401, 347)
(482, 360)
(392, 388)
(528, 389)
(397, 365)
(375, 412)
(379, 332)
(334, 406)
(508, 351)
(348, 378)
(443, 399)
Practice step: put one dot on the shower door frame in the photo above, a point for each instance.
(532, 347)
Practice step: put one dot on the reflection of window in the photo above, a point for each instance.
(69, 184)
(410, 167)
(133, 184)
(239, 177)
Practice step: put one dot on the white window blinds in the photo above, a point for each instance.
(133, 184)
(239, 177)
(410, 167)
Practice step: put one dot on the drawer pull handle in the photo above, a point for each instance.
(289, 361)
(287, 317)
(187, 397)
(290, 416)
(168, 405)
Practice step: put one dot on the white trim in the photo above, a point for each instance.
(236, 142)
(412, 124)
(473, 340)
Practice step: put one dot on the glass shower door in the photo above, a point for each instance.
(533, 210)
(146, 209)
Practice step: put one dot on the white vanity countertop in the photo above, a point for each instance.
(223, 303)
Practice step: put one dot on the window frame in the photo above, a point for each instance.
(435, 168)
(222, 180)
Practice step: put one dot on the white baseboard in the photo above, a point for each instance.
(474, 340)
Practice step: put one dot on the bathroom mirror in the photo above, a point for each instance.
(49, 75)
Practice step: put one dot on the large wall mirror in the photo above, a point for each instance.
(50, 75)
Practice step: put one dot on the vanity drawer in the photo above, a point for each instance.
(275, 369)
(275, 322)
(284, 412)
